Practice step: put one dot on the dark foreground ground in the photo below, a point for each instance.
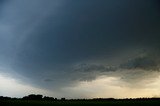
(80, 103)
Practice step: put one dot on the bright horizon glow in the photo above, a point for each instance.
(102, 87)
(113, 87)
(11, 87)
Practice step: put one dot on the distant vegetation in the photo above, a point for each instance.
(40, 100)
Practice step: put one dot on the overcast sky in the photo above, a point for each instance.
(80, 48)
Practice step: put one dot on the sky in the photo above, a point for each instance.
(80, 48)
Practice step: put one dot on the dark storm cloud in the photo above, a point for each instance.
(89, 72)
(2, 3)
(44, 39)
(94, 67)
(135, 68)
(144, 63)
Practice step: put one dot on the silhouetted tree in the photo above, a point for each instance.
(33, 97)
(5, 98)
(63, 99)
(49, 98)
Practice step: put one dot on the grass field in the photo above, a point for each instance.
(81, 103)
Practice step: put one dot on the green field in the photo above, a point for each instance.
(81, 103)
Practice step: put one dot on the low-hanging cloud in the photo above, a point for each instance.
(143, 63)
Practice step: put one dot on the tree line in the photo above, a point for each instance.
(41, 97)
(32, 97)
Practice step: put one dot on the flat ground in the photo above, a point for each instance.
(81, 103)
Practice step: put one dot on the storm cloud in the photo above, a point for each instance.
(53, 44)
